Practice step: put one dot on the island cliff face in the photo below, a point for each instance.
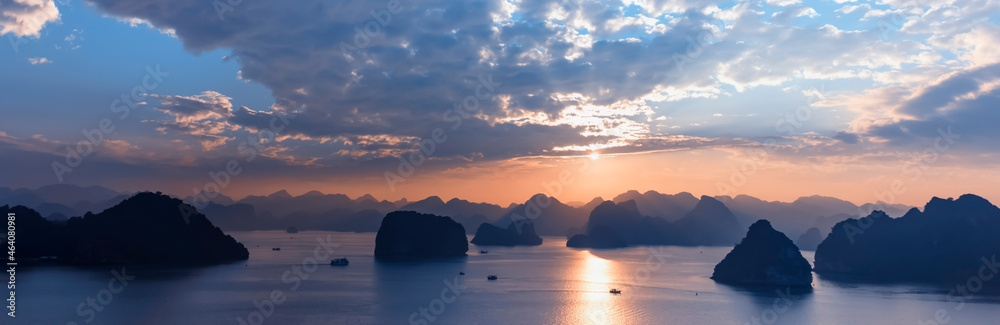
(765, 257)
(413, 235)
(947, 243)
(490, 235)
(146, 228)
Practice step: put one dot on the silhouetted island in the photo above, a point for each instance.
(521, 233)
(765, 257)
(948, 243)
(549, 216)
(601, 237)
(146, 228)
(810, 239)
(612, 225)
(710, 223)
(608, 226)
(414, 235)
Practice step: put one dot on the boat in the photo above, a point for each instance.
(491, 277)
(616, 291)
(461, 273)
(276, 249)
(483, 252)
(339, 261)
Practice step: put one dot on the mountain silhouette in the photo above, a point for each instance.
(414, 235)
(310, 211)
(809, 240)
(709, 223)
(765, 257)
(946, 243)
(655, 204)
(469, 214)
(63, 199)
(315, 210)
(793, 217)
(145, 228)
(516, 234)
(549, 216)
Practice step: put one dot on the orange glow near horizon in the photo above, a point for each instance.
(583, 178)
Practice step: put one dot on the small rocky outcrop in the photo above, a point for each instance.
(517, 234)
(809, 240)
(765, 257)
(414, 235)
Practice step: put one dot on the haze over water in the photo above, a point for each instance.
(547, 284)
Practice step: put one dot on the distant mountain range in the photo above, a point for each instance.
(612, 224)
(551, 217)
(61, 201)
(945, 243)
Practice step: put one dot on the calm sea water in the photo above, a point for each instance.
(549, 284)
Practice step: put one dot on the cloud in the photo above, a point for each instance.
(783, 3)
(26, 17)
(848, 9)
(569, 76)
(963, 103)
(428, 59)
(202, 116)
(792, 13)
(846, 137)
(207, 105)
(39, 60)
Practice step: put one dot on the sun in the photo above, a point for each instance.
(594, 156)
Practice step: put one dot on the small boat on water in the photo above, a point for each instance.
(615, 291)
(483, 252)
(461, 273)
(491, 277)
(276, 249)
(339, 261)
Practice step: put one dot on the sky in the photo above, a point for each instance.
(493, 101)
